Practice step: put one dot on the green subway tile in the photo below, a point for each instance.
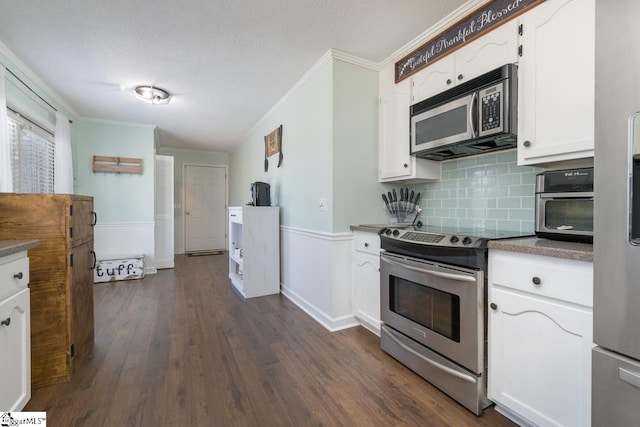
(476, 171)
(528, 202)
(527, 226)
(509, 179)
(450, 203)
(521, 214)
(449, 184)
(450, 165)
(507, 156)
(498, 191)
(492, 203)
(509, 225)
(442, 212)
(467, 162)
(460, 213)
(509, 202)
(442, 194)
(465, 203)
(477, 213)
(449, 222)
(521, 190)
(458, 174)
(498, 214)
(435, 203)
(488, 159)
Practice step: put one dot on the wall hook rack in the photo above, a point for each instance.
(117, 165)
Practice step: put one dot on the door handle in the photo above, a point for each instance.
(629, 377)
(451, 276)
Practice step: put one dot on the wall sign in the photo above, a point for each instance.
(478, 22)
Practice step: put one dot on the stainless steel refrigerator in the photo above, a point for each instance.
(616, 307)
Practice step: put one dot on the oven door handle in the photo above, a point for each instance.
(467, 378)
(451, 276)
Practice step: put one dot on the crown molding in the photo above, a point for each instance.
(24, 69)
(433, 31)
(117, 123)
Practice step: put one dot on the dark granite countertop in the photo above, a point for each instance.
(371, 228)
(546, 247)
(9, 247)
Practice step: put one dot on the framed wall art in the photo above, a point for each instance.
(273, 146)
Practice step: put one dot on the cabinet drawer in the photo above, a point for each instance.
(563, 279)
(14, 276)
(367, 242)
(235, 215)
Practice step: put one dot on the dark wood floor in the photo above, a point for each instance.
(182, 348)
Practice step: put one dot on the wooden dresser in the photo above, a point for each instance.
(61, 277)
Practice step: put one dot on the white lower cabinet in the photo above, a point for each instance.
(15, 333)
(540, 338)
(366, 280)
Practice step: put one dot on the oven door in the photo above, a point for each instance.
(455, 121)
(438, 306)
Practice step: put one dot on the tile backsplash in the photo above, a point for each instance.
(485, 192)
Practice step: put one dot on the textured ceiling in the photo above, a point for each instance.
(226, 62)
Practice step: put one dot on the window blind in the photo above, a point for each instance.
(32, 157)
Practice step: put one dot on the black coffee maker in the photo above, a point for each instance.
(260, 194)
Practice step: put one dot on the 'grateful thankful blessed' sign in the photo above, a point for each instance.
(468, 28)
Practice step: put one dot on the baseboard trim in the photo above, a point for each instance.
(332, 324)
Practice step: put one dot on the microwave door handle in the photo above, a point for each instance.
(473, 115)
(450, 276)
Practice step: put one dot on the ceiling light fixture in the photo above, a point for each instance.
(152, 95)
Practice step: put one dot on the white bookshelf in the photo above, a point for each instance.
(254, 250)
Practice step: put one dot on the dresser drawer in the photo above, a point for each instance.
(14, 274)
(562, 279)
(367, 242)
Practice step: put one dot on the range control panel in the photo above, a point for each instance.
(432, 239)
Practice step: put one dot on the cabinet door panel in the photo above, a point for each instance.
(540, 359)
(434, 79)
(395, 160)
(367, 289)
(556, 82)
(82, 219)
(15, 356)
(82, 299)
(491, 51)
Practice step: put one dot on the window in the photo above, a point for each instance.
(32, 156)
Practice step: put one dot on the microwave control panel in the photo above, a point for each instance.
(491, 110)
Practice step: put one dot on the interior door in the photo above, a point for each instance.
(164, 232)
(205, 208)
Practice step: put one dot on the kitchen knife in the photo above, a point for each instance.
(395, 196)
(415, 202)
(411, 197)
(390, 197)
(386, 202)
(406, 195)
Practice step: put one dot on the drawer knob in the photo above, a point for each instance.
(460, 77)
(366, 245)
(18, 276)
(527, 143)
(449, 81)
(493, 306)
(6, 322)
(536, 280)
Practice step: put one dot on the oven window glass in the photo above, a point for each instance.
(449, 123)
(569, 214)
(431, 308)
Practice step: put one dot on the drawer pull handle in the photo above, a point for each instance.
(629, 377)
(18, 276)
(536, 280)
(6, 322)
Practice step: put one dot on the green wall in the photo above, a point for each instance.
(118, 198)
(330, 151)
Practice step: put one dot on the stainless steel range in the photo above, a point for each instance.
(434, 306)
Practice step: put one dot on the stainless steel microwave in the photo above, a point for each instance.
(474, 117)
(564, 205)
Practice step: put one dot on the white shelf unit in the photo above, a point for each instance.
(254, 250)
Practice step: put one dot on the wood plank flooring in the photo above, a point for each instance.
(181, 348)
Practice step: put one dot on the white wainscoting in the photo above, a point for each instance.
(316, 275)
(120, 240)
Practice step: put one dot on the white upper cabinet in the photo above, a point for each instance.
(395, 162)
(492, 50)
(556, 82)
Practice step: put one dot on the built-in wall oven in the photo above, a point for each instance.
(433, 306)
